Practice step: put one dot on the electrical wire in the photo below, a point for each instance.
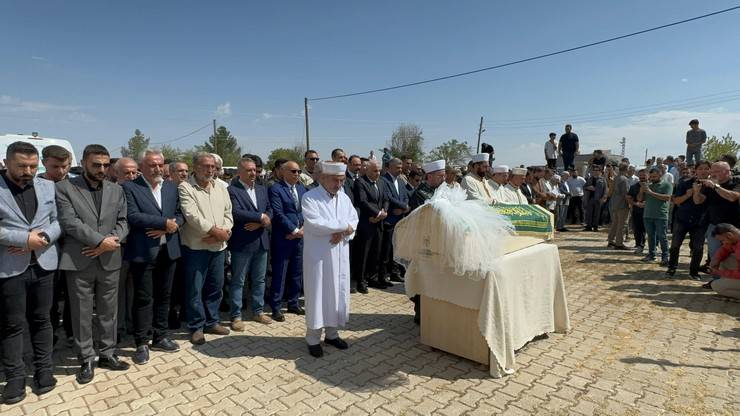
(183, 136)
(533, 58)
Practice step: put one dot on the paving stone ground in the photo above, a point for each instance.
(640, 345)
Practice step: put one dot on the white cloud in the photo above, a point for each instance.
(39, 58)
(10, 104)
(223, 110)
(267, 116)
(684, 80)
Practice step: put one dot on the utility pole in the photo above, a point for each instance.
(480, 131)
(305, 112)
(623, 142)
(215, 138)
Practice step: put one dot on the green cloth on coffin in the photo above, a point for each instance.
(529, 220)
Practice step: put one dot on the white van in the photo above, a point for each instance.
(36, 140)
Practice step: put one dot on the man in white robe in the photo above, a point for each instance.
(475, 182)
(512, 192)
(330, 220)
(498, 181)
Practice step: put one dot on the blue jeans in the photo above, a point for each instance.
(255, 264)
(693, 156)
(656, 233)
(204, 271)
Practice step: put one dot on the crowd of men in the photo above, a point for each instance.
(136, 246)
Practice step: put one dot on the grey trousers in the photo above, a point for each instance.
(98, 288)
(616, 228)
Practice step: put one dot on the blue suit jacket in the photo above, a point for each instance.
(245, 211)
(397, 200)
(14, 229)
(285, 216)
(144, 214)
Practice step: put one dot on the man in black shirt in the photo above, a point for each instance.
(637, 209)
(720, 193)
(689, 219)
(568, 146)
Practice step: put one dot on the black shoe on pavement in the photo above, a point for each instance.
(15, 391)
(622, 247)
(695, 276)
(44, 382)
(397, 278)
(113, 363)
(86, 372)
(376, 285)
(141, 355)
(704, 269)
(352, 290)
(670, 273)
(297, 310)
(664, 262)
(362, 288)
(337, 342)
(316, 350)
(166, 345)
(278, 316)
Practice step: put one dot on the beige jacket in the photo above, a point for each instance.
(203, 209)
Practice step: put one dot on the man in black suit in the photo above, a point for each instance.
(354, 164)
(372, 200)
(152, 250)
(398, 207)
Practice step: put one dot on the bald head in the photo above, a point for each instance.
(721, 172)
(125, 169)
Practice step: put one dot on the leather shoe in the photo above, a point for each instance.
(362, 288)
(352, 290)
(197, 338)
(278, 316)
(297, 310)
(337, 342)
(385, 282)
(86, 373)
(397, 278)
(217, 329)
(15, 391)
(141, 355)
(316, 350)
(44, 382)
(113, 363)
(166, 345)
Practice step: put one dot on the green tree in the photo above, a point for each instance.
(294, 153)
(136, 145)
(453, 152)
(187, 156)
(407, 140)
(715, 148)
(170, 152)
(224, 145)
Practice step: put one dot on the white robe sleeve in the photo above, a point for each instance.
(315, 223)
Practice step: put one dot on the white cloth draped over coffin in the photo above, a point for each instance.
(522, 298)
(463, 235)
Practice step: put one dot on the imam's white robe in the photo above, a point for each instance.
(511, 195)
(326, 266)
(477, 188)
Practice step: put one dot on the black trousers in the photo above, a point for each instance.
(575, 210)
(696, 234)
(177, 297)
(61, 295)
(152, 291)
(638, 226)
(367, 253)
(388, 266)
(26, 297)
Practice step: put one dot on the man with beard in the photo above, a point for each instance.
(512, 191)
(310, 159)
(720, 193)
(594, 198)
(330, 221)
(28, 253)
(206, 208)
(656, 194)
(435, 176)
(152, 249)
(92, 213)
(689, 219)
(475, 182)
(499, 178)
(398, 207)
(637, 209)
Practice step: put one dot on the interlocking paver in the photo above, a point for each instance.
(640, 344)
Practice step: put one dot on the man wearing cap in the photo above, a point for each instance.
(475, 182)
(435, 176)
(695, 138)
(498, 181)
(511, 192)
(329, 224)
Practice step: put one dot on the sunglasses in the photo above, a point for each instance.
(314, 159)
(298, 171)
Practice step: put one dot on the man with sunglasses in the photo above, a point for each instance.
(92, 213)
(287, 241)
(310, 158)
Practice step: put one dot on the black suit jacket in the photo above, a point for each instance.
(370, 202)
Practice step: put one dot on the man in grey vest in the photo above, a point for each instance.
(92, 213)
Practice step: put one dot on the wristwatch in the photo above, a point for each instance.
(716, 185)
(45, 237)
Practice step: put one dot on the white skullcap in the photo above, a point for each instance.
(480, 157)
(434, 166)
(555, 177)
(331, 168)
(501, 169)
(519, 171)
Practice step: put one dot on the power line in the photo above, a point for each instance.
(547, 55)
(185, 135)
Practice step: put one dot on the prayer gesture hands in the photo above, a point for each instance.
(109, 243)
